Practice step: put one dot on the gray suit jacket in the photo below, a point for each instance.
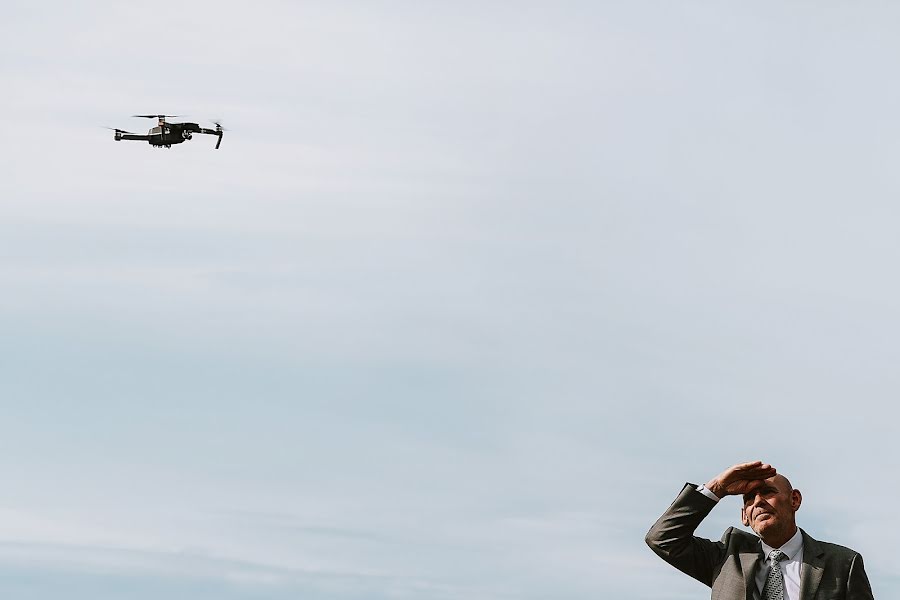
(829, 571)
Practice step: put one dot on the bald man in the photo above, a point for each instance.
(780, 562)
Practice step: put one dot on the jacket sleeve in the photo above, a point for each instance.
(858, 587)
(672, 537)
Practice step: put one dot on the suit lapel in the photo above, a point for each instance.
(750, 558)
(812, 569)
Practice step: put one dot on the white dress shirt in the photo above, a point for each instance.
(790, 566)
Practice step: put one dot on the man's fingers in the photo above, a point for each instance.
(748, 465)
(750, 471)
(752, 466)
(760, 469)
(766, 470)
(737, 478)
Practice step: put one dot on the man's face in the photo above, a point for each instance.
(769, 509)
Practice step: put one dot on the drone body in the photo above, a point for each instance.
(165, 134)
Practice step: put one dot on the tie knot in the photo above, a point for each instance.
(777, 556)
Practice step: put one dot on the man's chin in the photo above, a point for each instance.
(761, 526)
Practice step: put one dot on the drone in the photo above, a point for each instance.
(165, 133)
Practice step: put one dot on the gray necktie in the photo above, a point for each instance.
(774, 586)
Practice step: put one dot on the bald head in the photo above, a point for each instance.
(781, 482)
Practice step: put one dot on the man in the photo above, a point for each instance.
(783, 563)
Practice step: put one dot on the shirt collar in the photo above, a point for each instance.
(792, 547)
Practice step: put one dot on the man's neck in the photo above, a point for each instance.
(777, 541)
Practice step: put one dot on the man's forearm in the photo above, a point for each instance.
(672, 536)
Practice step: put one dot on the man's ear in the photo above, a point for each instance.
(745, 518)
(796, 500)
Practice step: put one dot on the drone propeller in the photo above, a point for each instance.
(157, 116)
(119, 132)
(219, 131)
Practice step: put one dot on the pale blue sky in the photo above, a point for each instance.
(469, 291)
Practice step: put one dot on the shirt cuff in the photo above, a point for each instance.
(702, 489)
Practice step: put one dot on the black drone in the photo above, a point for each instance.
(165, 134)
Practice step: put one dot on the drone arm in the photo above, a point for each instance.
(217, 132)
(132, 136)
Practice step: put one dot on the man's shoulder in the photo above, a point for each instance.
(837, 549)
(827, 548)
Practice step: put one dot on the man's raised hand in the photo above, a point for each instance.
(740, 479)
